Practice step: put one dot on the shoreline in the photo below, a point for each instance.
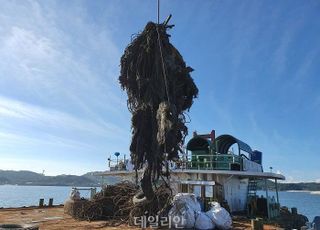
(316, 192)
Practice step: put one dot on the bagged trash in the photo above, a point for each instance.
(219, 216)
(203, 222)
(182, 216)
(316, 222)
(74, 195)
(188, 198)
(183, 211)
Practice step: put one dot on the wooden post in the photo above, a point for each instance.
(102, 181)
(276, 182)
(50, 202)
(256, 224)
(41, 202)
(93, 192)
(267, 196)
(294, 211)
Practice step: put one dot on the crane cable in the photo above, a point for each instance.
(163, 66)
(161, 55)
(167, 89)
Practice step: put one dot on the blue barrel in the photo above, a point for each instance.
(256, 156)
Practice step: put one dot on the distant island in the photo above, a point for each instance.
(89, 180)
(302, 186)
(31, 178)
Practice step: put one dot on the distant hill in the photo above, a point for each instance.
(19, 177)
(32, 178)
(310, 186)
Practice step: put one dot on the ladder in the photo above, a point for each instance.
(252, 188)
(252, 198)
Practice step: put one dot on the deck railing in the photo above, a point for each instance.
(207, 161)
(200, 162)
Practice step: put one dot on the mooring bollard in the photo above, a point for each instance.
(256, 224)
(93, 192)
(294, 211)
(41, 202)
(50, 202)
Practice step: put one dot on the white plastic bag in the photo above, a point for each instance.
(184, 207)
(182, 216)
(188, 198)
(203, 222)
(220, 216)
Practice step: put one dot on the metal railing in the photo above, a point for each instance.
(213, 162)
(117, 164)
(93, 191)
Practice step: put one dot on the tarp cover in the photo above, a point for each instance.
(224, 142)
(198, 143)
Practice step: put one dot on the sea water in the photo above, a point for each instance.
(19, 196)
(307, 202)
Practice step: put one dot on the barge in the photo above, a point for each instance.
(223, 169)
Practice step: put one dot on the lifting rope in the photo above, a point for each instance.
(160, 49)
(163, 66)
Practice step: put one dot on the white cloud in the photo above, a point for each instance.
(52, 118)
(62, 61)
(13, 139)
(26, 44)
(58, 86)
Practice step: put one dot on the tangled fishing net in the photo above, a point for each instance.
(160, 89)
(114, 203)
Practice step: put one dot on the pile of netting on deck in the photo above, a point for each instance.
(115, 203)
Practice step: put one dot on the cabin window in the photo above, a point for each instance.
(209, 191)
(184, 188)
(197, 190)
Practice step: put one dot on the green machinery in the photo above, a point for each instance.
(208, 152)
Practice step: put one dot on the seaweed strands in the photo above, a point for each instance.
(160, 89)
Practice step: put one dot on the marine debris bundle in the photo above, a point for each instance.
(115, 203)
(160, 89)
(111, 202)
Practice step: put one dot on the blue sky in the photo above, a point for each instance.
(256, 65)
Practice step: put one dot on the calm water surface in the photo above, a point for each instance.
(307, 203)
(18, 196)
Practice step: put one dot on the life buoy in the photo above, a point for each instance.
(139, 198)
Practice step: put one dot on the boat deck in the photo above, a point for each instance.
(55, 219)
(51, 219)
